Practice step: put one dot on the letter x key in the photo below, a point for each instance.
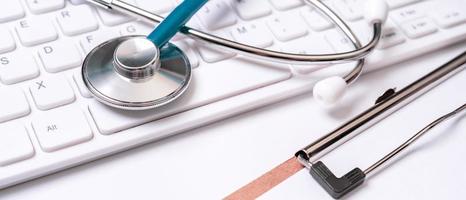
(40, 85)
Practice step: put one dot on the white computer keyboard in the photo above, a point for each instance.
(49, 121)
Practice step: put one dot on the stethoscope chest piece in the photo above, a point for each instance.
(131, 73)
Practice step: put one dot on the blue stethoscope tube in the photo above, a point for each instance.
(175, 21)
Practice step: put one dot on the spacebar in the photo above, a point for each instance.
(210, 83)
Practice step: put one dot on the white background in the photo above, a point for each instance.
(213, 161)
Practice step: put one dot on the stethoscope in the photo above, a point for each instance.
(138, 72)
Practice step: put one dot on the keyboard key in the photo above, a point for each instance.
(18, 66)
(15, 144)
(400, 3)
(255, 35)
(13, 104)
(52, 57)
(315, 20)
(285, 5)
(112, 18)
(159, 7)
(43, 6)
(61, 128)
(80, 83)
(285, 28)
(409, 13)
(389, 24)
(77, 20)
(51, 93)
(88, 42)
(338, 41)
(35, 31)
(209, 84)
(363, 31)
(135, 29)
(448, 17)
(7, 43)
(308, 45)
(251, 9)
(390, 38)
(215, 15)
(188, 48)
(350, 9)
(211, 53)
(11, 10)
(419, 28)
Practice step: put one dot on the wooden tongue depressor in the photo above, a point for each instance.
(267, 181)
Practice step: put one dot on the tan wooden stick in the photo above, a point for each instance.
(267, 181)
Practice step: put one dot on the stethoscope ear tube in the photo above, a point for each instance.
(385, 105)
(288, 58)
(327, 91)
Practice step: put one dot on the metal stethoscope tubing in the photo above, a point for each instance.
(358, 54)
(288, 58)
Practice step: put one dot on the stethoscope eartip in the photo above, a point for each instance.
(329, 90)
(376, 11)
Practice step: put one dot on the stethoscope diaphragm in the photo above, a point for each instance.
(130, 87)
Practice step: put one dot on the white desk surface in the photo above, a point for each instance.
(211, 162)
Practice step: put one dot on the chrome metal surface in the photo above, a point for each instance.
(415, 137)
(106, 84)
(380, 110)
(136, 58)
(269, 55)
(101, 3)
